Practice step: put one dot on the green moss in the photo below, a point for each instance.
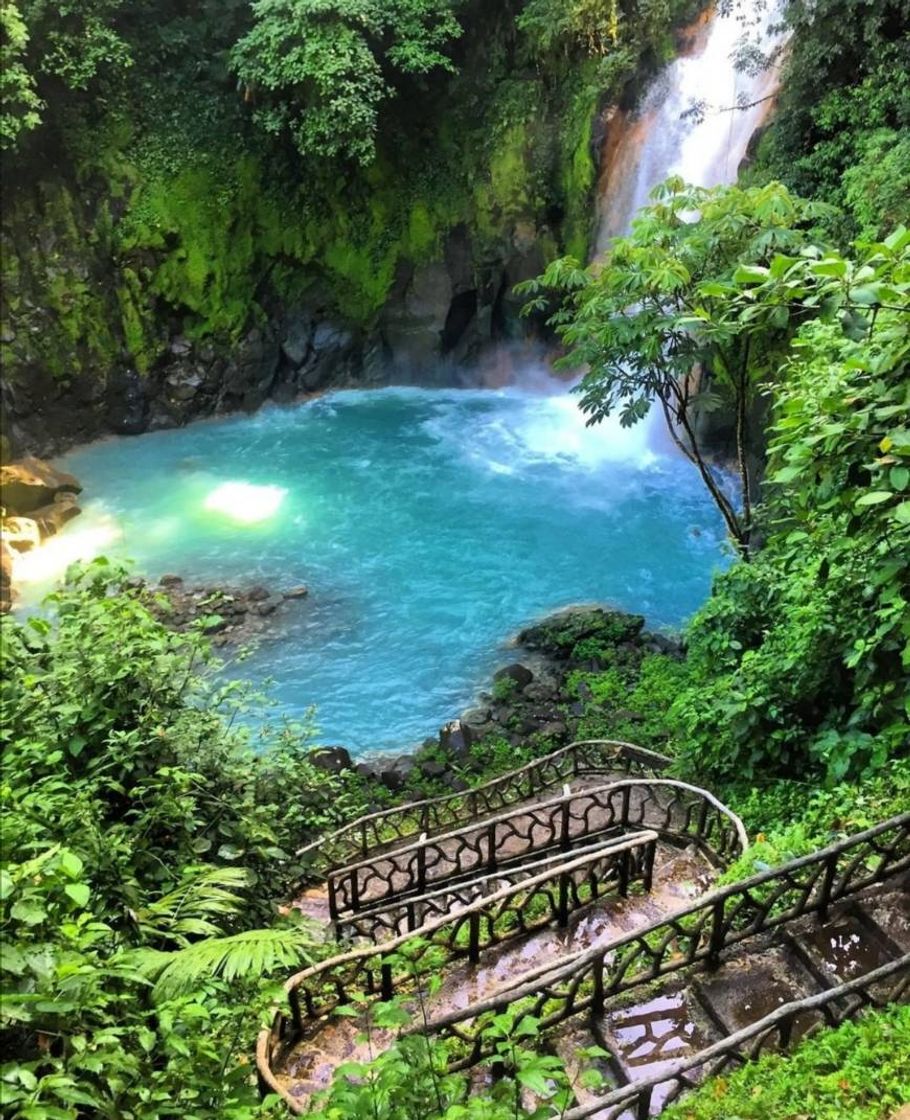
(136, 322)
(504, 195)
(580, 172)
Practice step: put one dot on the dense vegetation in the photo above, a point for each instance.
(209, 165)
(146, 837)
(799, 661)
(148, 824)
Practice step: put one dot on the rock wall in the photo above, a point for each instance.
(133, 303)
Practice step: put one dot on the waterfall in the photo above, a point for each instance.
(665, 137)
(658, 139)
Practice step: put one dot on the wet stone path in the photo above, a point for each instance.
(679, 877)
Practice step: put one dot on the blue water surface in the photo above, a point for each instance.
(429, 525)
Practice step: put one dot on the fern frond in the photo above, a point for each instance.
(205, 893)
(253, 953)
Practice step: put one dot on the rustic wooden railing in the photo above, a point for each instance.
(584, 877)
(400, 966)
(373, 833)
(696, 933)
(775, 1032)
(674, 809)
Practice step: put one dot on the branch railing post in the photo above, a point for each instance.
(827, 886)
(387, 987)
(716, 942)
(474, 938)
(422, 866)
(624, 874)
(296, 1016)
(598, 998)
(564, 839)
(650, 855)
(703, 821)
(562, 914)
(491, 846)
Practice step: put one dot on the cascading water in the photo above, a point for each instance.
(430, 525)
(663, 137)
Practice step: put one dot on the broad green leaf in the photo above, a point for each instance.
(899, 477)
(78, 892)
(874, 498)
(830, 266)
(29, 911)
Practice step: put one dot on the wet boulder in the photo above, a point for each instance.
(520, 674)
(31, 483)
(456, 738)
(331, 759)
(50, 519)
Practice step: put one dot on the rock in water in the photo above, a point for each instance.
(332, 759)
(30, 483)
(516, 672)
(6, 577)
(50, 519)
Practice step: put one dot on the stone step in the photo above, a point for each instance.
(649, 1034)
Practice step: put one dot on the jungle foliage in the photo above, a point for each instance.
(147, 834)
(800, 660)
(145, 838)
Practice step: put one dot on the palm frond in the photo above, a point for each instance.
(205, 893)
(253, 953)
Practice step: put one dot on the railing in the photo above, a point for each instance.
(697, 933)
(399, 967)
(778, 1031)
(672, 808)
(372, 833)
(580, 880)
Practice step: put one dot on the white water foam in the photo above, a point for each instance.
(705, 150)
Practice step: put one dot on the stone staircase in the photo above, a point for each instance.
(747, 968)
(587, 910)
(656, 1040)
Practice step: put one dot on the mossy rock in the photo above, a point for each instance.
(561, 634)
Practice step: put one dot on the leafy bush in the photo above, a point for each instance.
(800, 661)
(787, 819)
(856, 1072)
(143, 839)
(323, 69)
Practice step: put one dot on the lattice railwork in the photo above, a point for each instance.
(373, 833)
(774, 1033)
(591, 873)
(695, 934)
(397, 967)
(674, 809)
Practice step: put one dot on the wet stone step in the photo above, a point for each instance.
(747, 989)
(890, 911)
(846, 947)
(648, 1037)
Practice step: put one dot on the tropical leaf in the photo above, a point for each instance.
(253, 953)
(187, 911)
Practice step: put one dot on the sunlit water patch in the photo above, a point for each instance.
(428, 525)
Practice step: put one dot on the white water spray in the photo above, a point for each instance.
(660, 139)
(695, 121)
